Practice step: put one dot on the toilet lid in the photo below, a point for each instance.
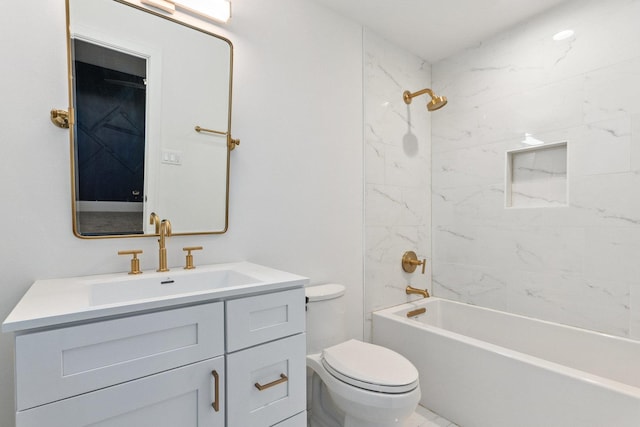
(370, 367)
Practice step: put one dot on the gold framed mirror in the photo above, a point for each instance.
(140, 84)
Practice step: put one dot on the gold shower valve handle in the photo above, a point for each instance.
(189, 261)
(410, 262)
(135, 262)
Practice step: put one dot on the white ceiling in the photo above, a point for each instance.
(435, 29)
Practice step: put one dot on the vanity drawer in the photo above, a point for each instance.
(299, 420)
(279, 368)
(262, 318)
(60, 363)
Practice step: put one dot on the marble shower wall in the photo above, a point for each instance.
(397, 173)
(577, 264)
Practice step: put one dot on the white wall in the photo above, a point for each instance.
(577, 264)
(296, 179)
(397, 173)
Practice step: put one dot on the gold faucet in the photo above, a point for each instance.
(411, 290)
(164, 232)
(154, 219)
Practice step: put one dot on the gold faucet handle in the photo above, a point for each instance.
(188, 249)
(410, 262)
(135, 262)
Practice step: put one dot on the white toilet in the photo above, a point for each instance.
(352, 383)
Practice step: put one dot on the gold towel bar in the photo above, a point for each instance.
(231, 142)
(416, 312)
(201, 129)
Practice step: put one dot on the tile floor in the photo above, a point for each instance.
(425, 418)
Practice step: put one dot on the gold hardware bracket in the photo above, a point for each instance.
(189, 261)
(135, 262)
(283, 379)
(407, 96)
(233, 143)
(60, 118)
(416, 312)
(410, 262)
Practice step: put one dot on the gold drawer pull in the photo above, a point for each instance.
(416, 312)
(216, 402)
(283, 379)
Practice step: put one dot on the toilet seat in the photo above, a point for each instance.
(370, 367)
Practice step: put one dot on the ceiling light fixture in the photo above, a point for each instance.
(217, 10)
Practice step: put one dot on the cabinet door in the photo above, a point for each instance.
(182, 397)
(60, 363)
(279, 369)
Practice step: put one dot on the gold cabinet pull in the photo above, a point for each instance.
(283, 379)
(135, 262)
(189, 258)
(216, 392)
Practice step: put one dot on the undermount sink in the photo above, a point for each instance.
(158, 285)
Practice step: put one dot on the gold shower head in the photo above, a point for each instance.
(436, 102)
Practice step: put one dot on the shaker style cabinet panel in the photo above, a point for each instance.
(262, 318)
(60, 363)
(267, 383)
(181, 397)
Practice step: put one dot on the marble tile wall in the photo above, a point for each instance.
(577, 264)
(397, 173)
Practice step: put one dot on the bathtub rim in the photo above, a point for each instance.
(398, 313)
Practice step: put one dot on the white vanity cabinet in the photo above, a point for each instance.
(223, 345)
(149, 369)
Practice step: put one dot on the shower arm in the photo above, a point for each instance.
(407, 96)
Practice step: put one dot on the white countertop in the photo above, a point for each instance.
(54, 302)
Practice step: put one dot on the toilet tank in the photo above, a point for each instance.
(326, 324)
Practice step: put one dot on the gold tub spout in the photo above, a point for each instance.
(411, 290)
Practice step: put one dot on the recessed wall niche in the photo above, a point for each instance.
(537, 176)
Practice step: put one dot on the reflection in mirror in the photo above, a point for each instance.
(110, 99)
(140, 83)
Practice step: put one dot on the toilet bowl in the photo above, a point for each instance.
(353, 383)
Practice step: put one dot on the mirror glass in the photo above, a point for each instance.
(140, 84)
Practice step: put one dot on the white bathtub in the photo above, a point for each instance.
(482, 367)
